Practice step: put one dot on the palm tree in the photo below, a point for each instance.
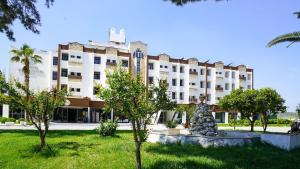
(290, 37)
(25, 55)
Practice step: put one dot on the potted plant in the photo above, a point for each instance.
(172, 128)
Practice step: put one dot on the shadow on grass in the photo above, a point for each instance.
(258, 155)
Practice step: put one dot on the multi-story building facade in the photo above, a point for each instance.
(80, 67)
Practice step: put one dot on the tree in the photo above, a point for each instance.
(130, 97)
(243, 102)
(40, 106)
(25, 55)
(23, 10)
(290, 37)
(269, 102)
(298, 110)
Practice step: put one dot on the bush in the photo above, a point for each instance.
(3, 119)
(11, 120)
(21, 119)
(108, 128)
(171, 124)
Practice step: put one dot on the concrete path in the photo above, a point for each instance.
(126, 126)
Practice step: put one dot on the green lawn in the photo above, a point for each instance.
(85, 149)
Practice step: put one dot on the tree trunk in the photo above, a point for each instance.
(138, 155)
(252, 126)
(43, 141)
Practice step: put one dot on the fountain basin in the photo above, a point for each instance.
(224, 138)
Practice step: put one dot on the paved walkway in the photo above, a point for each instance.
(126, 126)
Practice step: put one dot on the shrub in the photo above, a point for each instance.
(108, 128)
(171, 124)
(21, 119)
(11, 120)
(3, 119)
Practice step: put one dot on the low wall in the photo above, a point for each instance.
(284, 141)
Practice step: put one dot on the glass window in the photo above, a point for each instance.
(97, 60)
(227, 74)
(249, 87)
(64, 72)
(226, 86)
(181, 95)
(173, 95)
(54, 75)
(174, 68)
(97, 75)
(72, 56)
(201, 84)
(208, 72)
(151, 66)
(125, 63)
(181, 69)
(64, 56)
(202, 71)
(78, 74)
(249, 77)
(174, 81)
(181, 82)
(72, 73)
(78, 90)
(55, 60)
(232, 74)
(151, 80)
(232, 86)
(161, 66)
(166, 67)
(72, 89)
(208, 84)
(220, 117)
(95, 90)
(78, 57)
(208, 97)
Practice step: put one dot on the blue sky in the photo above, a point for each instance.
(235, 32)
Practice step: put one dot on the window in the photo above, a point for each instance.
(97, 60)
(181, 82)
(72, 73)
(161, 66)
(208, 97)
(64, 72)
(208, 72)
(72, 56)
(64, 56)
(201, 84)
(108, 60)
(173, 95)
(72, 89)
(249, 77)
(125, 63)
(97, 75)
(202, 71)
(208, 84)
(151, 80)
(78, 57)
(232, 86)
(181, 69)
(181, 96)
(114, 61)
(174, 68)
(95, 90)
(151, 66)
(193, 84)
(232, 74)
(249, 87)
(55, 60)
(63, 86)
(227, 74)
(174, 82)
(78, 74)
(54, 75)
(226, 86)
(78, 90)
(166, 67)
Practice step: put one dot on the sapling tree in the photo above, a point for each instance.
(130, 97)
(40, 106)
(269, 102)
(189, 110)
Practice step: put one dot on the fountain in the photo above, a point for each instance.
(204, 131)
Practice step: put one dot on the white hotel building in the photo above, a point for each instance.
(79, 67)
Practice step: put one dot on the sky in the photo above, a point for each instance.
(233, 32)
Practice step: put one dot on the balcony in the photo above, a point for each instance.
(194, 73)
(219, 88)
(74, 77)
(193, 100)
(111, 64)
(241, 77)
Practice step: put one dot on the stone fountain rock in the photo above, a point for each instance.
(203, 122)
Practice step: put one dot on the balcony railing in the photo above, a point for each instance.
(219, 88)
(193, 100)
(75, 77)
(111, 64)
(193, 73)
(242, 77)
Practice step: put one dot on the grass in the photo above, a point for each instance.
(85, 149)
(269, 125)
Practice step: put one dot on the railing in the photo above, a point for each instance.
(219, 88)
(242, 77)
(75, 77)
(111, 64)
(193, 73)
